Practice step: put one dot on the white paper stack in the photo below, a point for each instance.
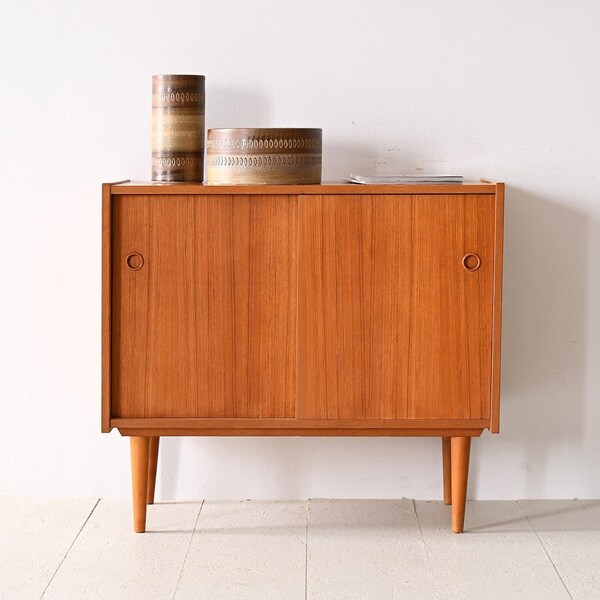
(365, 179)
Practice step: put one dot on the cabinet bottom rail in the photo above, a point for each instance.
(297, 432)
(298, 427)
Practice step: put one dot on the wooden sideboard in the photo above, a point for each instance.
(316, 310)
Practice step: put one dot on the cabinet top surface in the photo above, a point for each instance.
(141, 187)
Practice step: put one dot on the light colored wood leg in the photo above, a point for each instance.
(459, 453)
(447, 470)
(152, 465)
(139, 480)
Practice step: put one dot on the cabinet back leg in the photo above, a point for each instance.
(139, 480)
(447, 470)
(459, 451)
(152, 465)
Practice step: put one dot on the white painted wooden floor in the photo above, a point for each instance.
(320, 549)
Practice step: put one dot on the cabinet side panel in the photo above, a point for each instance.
(106, 305)
(131, 221)
(354, 294)
(497, 314)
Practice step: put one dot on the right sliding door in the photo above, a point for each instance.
(395, 306)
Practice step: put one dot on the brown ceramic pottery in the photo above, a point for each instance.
(264, 156)
(177, 127)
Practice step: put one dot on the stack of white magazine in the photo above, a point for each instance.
(364, 179)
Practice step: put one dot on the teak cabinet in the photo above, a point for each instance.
(302, 310)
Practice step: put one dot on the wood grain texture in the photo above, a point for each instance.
(153, 446)
(451, 308)
(291, 423)
(171, 374)
(152, 188)
(139, 446)
(248, 247)
(106, 305)
(390, 323)
(265, 430)
(497, 315)
(460, 452)
(353, 315)
(341, 313)
(206, 327)
(447, 469)
(130, 294)
(193, 329)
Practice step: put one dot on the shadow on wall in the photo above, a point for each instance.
(257, 458)
(544, 332)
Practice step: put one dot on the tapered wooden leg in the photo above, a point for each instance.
(459, 453)
(152, 464)
(139, 479)
(447, 470)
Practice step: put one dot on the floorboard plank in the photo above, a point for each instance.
(110, 561)
(498, 556)
(361, 549)
(246, 550)
(570, 533)
(35, 537)
(317, 550)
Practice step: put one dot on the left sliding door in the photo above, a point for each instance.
(204, 308)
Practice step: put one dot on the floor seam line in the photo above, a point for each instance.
(306, 551)
(69, 549)
(544, 549)
(414, 504)
(187, 551)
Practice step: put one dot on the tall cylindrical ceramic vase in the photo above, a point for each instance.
(177, 127)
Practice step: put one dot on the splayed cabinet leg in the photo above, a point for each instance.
(460, 448)
(152, 466)
(139, 479)
(447, 470)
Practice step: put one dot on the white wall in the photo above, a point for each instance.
(500, 89)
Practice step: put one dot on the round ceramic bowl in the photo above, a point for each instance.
(264, 156)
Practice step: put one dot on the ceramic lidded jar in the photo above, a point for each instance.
(177, 127)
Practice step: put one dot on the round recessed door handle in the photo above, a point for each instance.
(471, 262)
(134, 261)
